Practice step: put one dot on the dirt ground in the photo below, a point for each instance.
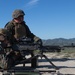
(65, 64)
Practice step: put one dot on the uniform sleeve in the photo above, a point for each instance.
(31, 35)
(10, 27)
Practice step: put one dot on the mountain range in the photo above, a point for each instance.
(59, 41)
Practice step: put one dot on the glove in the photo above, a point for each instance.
(39, 42)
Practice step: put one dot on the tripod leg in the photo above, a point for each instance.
(50, 61)
(34, 61)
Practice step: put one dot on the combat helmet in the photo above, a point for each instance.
(17, 13)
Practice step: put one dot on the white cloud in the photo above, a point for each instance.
(33, 2)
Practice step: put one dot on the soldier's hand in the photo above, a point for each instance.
(39, 42)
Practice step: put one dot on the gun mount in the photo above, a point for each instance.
(25, 47)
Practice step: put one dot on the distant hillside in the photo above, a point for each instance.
(59, 41)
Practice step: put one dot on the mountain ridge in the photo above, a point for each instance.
(59, 41)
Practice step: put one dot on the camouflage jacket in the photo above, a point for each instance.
(22, 31)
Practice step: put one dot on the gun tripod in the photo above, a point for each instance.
(49, 61)
(34, 62)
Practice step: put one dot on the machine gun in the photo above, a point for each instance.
(25, 46)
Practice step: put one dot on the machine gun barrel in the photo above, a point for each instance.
(25, 47)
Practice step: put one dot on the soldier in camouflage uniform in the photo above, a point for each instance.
(4, 42)
(18, 28)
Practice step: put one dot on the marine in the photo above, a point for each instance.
(17, 28)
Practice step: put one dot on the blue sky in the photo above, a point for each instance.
(48, 19)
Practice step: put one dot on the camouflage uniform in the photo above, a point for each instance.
(4, 42)
(18, 30)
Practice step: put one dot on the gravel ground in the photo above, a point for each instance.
(65, 64)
